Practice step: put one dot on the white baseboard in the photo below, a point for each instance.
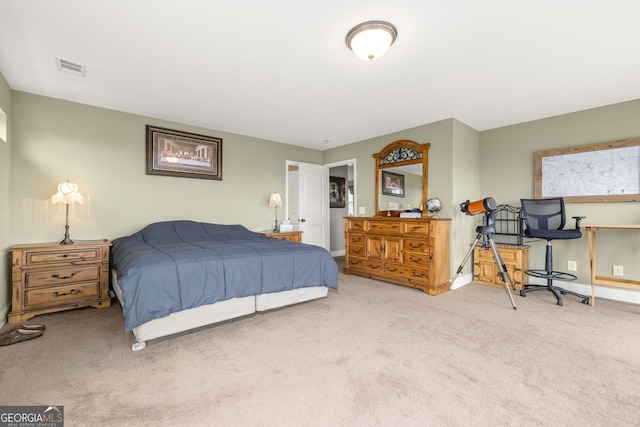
(3, 315)
(337, 253)
(462, 281)
(606, 292)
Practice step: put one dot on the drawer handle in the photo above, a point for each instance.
(57, 276)
(357, 251)
(356, 240)
(373, 266)
(414, 246)
(393, 270)
(414, 274)
(71, 292)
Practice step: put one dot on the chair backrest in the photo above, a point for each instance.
(544, 214)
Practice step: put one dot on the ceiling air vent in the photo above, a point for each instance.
(71, 67)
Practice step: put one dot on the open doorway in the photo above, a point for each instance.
(345, 169)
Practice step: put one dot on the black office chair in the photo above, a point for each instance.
(545, 219)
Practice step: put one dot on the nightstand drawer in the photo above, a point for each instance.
(35, 258)
(54, 296)
(61, 276)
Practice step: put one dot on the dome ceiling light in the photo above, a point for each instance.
(370, 40)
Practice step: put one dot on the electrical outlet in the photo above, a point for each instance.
(618, 270)
(572, 266)
(361, 210)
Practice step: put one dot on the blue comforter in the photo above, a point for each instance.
(176, 265)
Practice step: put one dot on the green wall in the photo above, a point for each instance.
(103, 151)
(5, 201)
(506, 158)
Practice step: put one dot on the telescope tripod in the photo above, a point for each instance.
(488, 231)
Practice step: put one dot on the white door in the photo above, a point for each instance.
(308, 201)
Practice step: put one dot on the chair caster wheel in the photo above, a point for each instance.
(523, 294)
(560, 302)
(585, 301)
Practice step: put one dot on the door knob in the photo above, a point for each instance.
(301, 220)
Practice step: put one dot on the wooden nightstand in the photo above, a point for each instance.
(51, 277)
(294, 236)
(515, 258)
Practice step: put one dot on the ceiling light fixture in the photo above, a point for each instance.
(370, 40)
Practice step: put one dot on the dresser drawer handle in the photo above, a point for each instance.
(414, 246)
(71, 292)
(417, 274)
(57, 276)
(393, 270)
(357, 251)
(373, 266)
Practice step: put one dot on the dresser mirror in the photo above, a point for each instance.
(402, 169)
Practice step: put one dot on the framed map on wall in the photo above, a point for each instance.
(604, 172)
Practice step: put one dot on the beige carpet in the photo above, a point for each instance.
(371, 354)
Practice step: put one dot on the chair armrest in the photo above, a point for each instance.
(578, 218)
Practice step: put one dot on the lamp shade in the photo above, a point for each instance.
(275, 201)
(370, 40)
(67, 194)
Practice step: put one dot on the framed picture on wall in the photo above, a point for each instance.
(392, 184)
(176, 153)
(336, 192)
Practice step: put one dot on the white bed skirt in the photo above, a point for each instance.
(213, 313)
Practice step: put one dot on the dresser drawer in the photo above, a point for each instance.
(355, 225)
(416, 259)
(57, 295)
(356, 239)
(366, 265)
(416, 245)
(390, 227)
(61, 276)
(415, 228)
(71, 256)
(358, 251)
(408, 273)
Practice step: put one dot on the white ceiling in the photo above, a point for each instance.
(280, 69)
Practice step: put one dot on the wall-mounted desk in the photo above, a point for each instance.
(604, 280)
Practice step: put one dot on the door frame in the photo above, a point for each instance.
(353, 163)
(348, 162)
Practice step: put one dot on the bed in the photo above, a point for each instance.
(174, 276)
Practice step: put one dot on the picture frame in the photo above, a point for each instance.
(593, 173)
(183, 154)
(392, 184)
(336, 192)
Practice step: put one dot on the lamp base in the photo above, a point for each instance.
(66, 240)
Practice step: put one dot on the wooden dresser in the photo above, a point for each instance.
(407, 251)
(51, 277)
(515, 258)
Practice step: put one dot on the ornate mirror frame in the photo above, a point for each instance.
(401, 153)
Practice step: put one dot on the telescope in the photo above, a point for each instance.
(486, 205)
